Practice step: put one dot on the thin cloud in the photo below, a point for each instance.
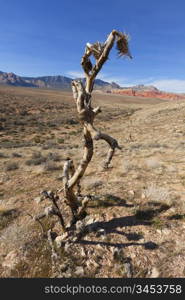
(111, 78)
(170, 85)
(124, 81)
(75, 74)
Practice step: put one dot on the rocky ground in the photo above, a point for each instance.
(135, 219)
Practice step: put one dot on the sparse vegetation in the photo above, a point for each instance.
(137, 205)
(7, 216)
(37, 159)
(53, 156)
(11, 166)
(153, 163)
(15, 154)
(60, 140)
(157, 194)
(3, 155)
(51, 166)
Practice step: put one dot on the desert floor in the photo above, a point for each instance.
(137, 208)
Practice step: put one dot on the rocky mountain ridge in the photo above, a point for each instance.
(148, 92)
(53, 82)
(64, 83)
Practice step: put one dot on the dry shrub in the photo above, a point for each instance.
(158, 194)
(6, 216)
(11, 166)
(53, 156)
(36, 159)
(51, 166)
(127, 166)
(92, 183)
(153, 163)
(3, 155)
(15, 154)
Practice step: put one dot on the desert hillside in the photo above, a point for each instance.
(147, 92)
(135, 218)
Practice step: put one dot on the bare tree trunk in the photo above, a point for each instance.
(87, 114)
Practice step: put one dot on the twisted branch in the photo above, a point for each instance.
(86, 114)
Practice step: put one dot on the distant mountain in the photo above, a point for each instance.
(64, 83)
(12, 79)
(142, 87)
(106, 85)
(53, 82)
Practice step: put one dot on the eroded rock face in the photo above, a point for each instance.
(148, 92)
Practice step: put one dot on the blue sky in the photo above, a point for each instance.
(41, 37)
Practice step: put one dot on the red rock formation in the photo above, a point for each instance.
(148, 94)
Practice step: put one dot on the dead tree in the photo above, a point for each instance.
(82, 94)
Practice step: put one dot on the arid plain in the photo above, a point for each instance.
(137, 207)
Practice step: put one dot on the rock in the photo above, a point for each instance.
(149, 92)
(4, 178)
(166, 231)
(11, 260)
(80, 226)
(68, 274)
(50, 194)
(143, 196)
(101, 232)
(135, 176)
(154, 273)
(38, 199)
(101, 248)
(68, 225)
(91, 263)
(131, 192)
(79, 271)
(88, 220)
(159, 171)
(104, 238)
(60, 239)
(128, 269)
(67, 246)
(48, 210)
(142, 240)
(92, 224)
(75, 238)
(132, 255)
(112, 249)
(83, 254)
